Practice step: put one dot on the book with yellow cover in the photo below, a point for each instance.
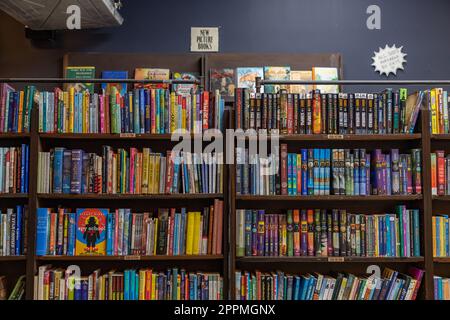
(300, 75)
(326, 74)
(152, 74)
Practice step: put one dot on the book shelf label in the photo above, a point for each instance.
(335, 136)
(128, 135)
(132, 257)
(336, 259)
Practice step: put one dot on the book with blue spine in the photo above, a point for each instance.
(304, 153)
(19, 222)
(42, 225)
(109, 234)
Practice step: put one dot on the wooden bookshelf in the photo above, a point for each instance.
(365, 204)
(227, 263)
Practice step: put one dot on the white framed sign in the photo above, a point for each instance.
(204, 39)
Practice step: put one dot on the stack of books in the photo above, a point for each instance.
(329, 171)
(122, 232)
(129, 172)
(13, 236)
(15, 108)
(440, 169)
(440, 231)
(322, 233)
(392, 285)
(437, 101)
(14, 169)
(131, 284)
(441, 288)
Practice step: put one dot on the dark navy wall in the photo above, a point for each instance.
(422, 27)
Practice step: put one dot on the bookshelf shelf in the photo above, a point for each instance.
(441, 198)
(13, 195)
(329, 198)
(329, 259)
(12, 258)
(440, 137)
(109, 136)
(15, 136)
(180, 196)
(441, 259)
(131, 258)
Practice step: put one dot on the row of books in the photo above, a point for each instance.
(437, 101)
(13, 231)
(227, 79)
(14, 169)
(15, 108)
(155, 111)
(329, 171)
(18, 292)
(122, 232)
(321, 113)
(129, 172)
(440, 169)
(392, 285)
(441, 288)
(441, 237)
(321, 232)
(131, 284)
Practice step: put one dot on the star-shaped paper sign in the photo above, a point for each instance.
(388, 60)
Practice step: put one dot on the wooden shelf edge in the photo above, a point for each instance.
(110, 136)
(131, 258)
(349, 137)
(441, 198)
(181, 196)
(13, 195)
(440, 137)
(441, 259)
(327, 198)
(13, 258)
(329, 259)
(4, 136)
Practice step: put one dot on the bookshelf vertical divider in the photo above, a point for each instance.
(427, 206)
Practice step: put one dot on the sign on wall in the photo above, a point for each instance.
(204, 39)
(388, 60)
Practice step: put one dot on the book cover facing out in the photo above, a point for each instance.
(91, 231)
(80, 72)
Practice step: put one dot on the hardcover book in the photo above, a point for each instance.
(81, 73)
(121, 87)
(222, 80)
(186, 89)
(151, 74)
(300, 75)
(91, 231)
(276, 73)
(326, 74)
(246, 77)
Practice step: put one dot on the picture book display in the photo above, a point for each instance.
(246, 77)
(326, 74)
(276, 73)
(120, 87)
(223, 80)
(80, 73)
(152, 74)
